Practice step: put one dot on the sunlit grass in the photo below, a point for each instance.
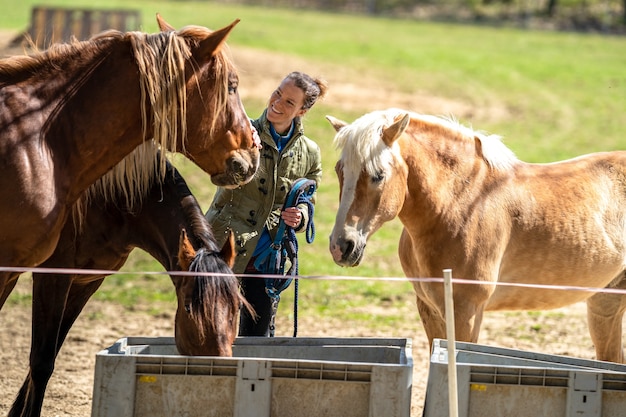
(560, 95)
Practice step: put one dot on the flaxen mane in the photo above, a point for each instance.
(366, 149)
(161, 61)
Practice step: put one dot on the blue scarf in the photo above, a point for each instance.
(279, 139)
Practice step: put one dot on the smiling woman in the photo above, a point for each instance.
(253, 211)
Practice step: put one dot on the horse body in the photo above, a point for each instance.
(207, 308)
(71, 113)
(466, 203)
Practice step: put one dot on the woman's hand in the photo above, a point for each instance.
(256, 139)
(292, 216)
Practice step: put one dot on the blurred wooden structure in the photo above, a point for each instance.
(56, 24)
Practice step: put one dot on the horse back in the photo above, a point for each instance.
(572, 183)
(566, 226)
(559, 223)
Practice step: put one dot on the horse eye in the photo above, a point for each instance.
(232, 89)
(378, 177)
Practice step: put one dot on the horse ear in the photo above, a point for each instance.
(213, 43)
(394, 131)
(186, 252)
(228, 253)
(163, 25)
(336, 123)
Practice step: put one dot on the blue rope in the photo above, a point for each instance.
(273, 259)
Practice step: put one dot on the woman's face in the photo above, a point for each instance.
(284, 105)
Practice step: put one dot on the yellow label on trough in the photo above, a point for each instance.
(478, 387)
(147, 378)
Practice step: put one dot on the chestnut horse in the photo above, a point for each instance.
(167, 223)
(71, 113)
(468, 204)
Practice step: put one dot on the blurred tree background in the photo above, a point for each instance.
(608, 16)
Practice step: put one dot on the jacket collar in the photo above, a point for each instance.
(266, 136)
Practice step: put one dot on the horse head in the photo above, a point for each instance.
(216, 134)
(206, 306)
(372, 181)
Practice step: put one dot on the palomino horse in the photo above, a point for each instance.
(468, 204)
(208, 305)
(69, 114)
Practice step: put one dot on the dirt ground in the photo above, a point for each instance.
(69, 393)
(561, 332)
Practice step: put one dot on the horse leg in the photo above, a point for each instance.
(49, 297)
(7, 284)
(57, 302)
(432, 318)
(468, 307)
(76, 301)
(605, 312)
(433, 321)
(467, 320)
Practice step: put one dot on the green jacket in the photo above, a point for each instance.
(247, 209)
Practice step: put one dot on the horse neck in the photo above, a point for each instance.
(97, 120)
(197, 226)
(444, 173)
(169, 208)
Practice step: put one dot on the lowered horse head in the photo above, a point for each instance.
(469, 205)
(209, 301)
(164, 207)
(206, 317)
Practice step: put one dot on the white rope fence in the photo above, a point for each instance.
(455, 281)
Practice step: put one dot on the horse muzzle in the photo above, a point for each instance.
(347, 252)
(240, 169)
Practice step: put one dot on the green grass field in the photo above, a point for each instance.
(557, 95)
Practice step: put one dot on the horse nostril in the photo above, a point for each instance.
(237, 167)
(348, 247)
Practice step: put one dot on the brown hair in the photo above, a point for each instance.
(314, 88)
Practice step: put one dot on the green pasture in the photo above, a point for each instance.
(550, 95)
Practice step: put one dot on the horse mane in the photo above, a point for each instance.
(221, 285)
(201, 233)
(18, 67)
(161, 61)
(362, 146)
(213, 282)
(127, 183)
